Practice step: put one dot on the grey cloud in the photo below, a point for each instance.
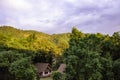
(53, 16)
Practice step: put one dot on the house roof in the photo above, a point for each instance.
(43, 66)
(61, 68)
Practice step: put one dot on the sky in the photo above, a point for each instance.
(59, 16)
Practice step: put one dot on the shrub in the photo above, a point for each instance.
(56, 75)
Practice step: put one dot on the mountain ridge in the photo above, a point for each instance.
(33, 40)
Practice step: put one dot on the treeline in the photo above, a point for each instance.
(92, 56)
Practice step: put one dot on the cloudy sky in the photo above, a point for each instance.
(58, 16)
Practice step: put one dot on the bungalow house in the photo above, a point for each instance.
(43, 69)
(61, 68)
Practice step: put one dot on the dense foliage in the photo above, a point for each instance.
(91, 56)
(56, 75)
(33, 40)
(23, 70)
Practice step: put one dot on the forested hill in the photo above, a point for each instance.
(33, 40)
(96, 56)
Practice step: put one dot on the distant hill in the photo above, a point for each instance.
(33, 40)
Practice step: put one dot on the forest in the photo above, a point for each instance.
(87, 56)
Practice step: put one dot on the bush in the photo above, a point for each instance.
(23, 70)
(56, 75)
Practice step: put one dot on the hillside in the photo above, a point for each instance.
(33, 40)
(21, 49)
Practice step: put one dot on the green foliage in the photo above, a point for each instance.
(33, 40)
(82, 52)
(94, 53)
(43, 56)
(23, 70)
(56, 75)
(7, 57)
(116, 69)
(107, 64)
(116, 45)
(72, 67)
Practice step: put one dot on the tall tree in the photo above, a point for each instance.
(81, 58)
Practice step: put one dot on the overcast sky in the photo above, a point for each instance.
(58, 16)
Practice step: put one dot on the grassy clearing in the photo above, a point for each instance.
(49, 78)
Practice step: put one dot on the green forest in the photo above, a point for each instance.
(87, 56)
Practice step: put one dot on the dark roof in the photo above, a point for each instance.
(43, 66)
(61, 68)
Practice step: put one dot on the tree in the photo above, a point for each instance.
(107, 65)
(116, 45)
(6, 58)
(72, 70)
(56, 75)
(23, 70)
(43, 56)
(82, 58)
(116, 69)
